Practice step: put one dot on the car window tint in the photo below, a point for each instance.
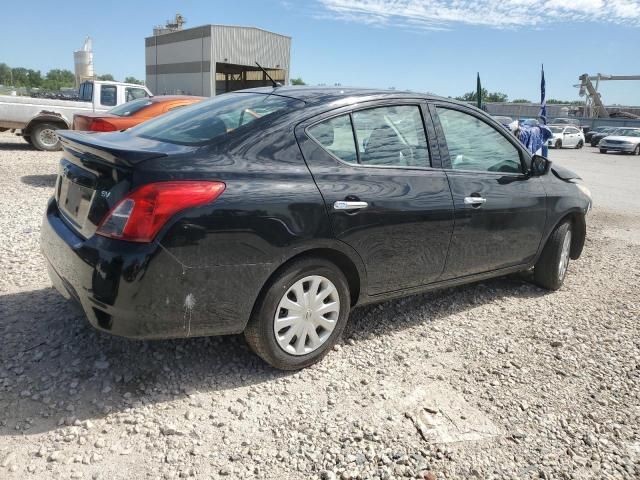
(132, 93)
(201, 122)
(336, 136)
(392, 136)
(475, 145)
(108, 95)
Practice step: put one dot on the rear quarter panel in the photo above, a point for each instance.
(270, 211)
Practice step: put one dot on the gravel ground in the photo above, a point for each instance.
(494, 380)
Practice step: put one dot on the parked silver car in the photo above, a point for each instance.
(625, 140)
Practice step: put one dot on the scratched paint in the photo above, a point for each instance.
(189, 305)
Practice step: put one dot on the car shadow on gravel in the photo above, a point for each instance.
(17, 146)
(46, 181)
(56, 369)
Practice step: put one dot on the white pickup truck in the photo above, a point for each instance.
(37, 119)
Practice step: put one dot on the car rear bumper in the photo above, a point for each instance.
(142, 290)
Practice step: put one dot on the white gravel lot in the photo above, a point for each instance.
(495, 380)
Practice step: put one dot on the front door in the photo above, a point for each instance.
(384, 198)
(500, 210)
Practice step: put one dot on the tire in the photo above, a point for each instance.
(579, 145)
(283, 349)
(27, 138)
(603, 150)
(43, 137)
(558, 144)
(637, 150)
(551, 268)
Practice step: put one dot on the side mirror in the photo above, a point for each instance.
(540, 165)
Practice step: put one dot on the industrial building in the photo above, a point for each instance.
(213, 59)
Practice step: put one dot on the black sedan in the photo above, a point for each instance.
(274, 212)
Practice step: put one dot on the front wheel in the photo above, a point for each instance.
(637, 150)
(559, 144)
(43, 137)
(580, 145)
(603, 150)
(551, 268)
(300, 315)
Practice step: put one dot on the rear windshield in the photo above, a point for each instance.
(129, 108)
(201, 122)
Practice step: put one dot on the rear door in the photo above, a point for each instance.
(500, 211)
(383, 189)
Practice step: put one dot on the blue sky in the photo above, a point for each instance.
(423, 45)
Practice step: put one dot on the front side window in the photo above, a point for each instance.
(382, 136)
(132, 93)
(475, 145)
(201, 122)
(108, 95)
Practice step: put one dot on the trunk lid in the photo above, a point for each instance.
(97, 170)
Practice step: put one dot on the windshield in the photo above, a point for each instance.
(204, 121)
(556, 129)
(129, 108)
(627, 132)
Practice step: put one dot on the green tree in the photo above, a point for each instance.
(486, 96)
(520, 100)
(5, 74)
(57, 78)
(297, 81)
(133, 80)
(107, 77)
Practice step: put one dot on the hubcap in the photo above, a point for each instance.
(564, 256)
(48, 137)
(306, 315)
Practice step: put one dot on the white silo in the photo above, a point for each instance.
(83, 61)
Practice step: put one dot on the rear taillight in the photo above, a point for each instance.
(140, 215)
(100, 125)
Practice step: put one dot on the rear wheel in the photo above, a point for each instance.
(43, 137)
(551, 268)
(300, 315)
(603, 150)
(559, 144)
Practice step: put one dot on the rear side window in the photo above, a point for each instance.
(108, 95)
(336, 136)
(382, 136)
(392, 136)
(129, 108)
(201, 122)
(475, 145)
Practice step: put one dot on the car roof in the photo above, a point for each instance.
(318, 95)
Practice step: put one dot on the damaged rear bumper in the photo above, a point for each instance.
(142, 290)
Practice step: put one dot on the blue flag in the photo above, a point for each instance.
(543, 99)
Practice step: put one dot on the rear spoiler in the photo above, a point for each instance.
(115, 148)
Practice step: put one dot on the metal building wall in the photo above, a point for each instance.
(185, 61)
(247, 45)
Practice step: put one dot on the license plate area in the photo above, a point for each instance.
(76, 194)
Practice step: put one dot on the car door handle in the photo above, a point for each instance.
(349, 205)
(474, 200)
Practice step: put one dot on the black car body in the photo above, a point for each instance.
(597, 134)
(206, 268)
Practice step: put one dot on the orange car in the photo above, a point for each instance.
(131, 113)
